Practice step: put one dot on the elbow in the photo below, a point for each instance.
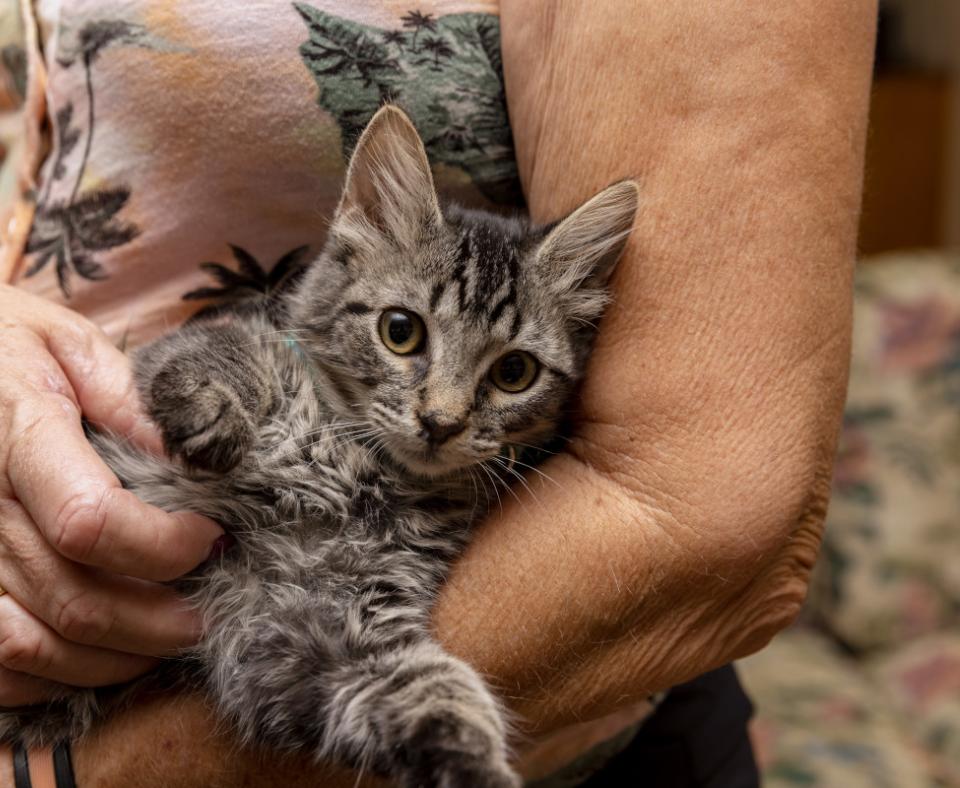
(778, 562)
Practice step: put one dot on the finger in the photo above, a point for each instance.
(29, 646)
(102, 378)
(18, 689)
(88, 368)
(85, 606)
(82, 510)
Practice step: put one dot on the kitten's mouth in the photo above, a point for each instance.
(434, 462)
(425, 463)
(428, 461)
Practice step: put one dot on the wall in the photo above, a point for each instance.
(929, 35)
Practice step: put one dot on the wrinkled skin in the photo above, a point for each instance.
(690, 508)
(65, 524)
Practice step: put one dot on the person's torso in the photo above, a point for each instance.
(189, 132)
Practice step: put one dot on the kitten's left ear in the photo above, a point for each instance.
(580, 252)
(388, 184)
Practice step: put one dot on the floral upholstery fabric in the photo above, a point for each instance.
(866, 692)
(822, 723)
(921, 682)
(889, 569)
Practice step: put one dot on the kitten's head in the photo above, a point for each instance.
(454, 335)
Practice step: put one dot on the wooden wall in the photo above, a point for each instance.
(906, 176)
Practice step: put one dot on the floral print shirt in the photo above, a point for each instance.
(196, 151)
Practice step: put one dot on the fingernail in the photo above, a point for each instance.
(220, 546)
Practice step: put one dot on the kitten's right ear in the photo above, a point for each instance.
(580, 252)
(388, 184)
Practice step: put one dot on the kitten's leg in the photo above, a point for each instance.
(366, 687)
(421, 715)
(68, 717)
(207, 389)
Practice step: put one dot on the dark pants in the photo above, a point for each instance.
(697, 738)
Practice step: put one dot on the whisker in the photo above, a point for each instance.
(486, 492)
(535, 448)
(292, 331)
(333, 429)
(508, 487)
(356, 437)
(493, 480)
(536, 470)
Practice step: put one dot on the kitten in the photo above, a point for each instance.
(348, 442)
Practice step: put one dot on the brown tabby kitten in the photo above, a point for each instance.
(349, 441)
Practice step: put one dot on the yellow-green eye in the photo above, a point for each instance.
(515, 371)
(402, 332)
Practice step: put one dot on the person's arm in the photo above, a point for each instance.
(688, 510)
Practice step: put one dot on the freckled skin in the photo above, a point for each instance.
(350, 475)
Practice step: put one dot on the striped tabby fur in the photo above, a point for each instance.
(303, 435)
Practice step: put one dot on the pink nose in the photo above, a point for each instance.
(437, 428)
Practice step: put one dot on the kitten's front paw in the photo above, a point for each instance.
(476, 775)
(460, 766)
(201, 420)
(463, 774)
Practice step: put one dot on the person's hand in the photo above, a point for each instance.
(80, 557)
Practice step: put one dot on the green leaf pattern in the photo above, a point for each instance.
(445, 71)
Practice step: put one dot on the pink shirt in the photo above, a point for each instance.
(186, 132)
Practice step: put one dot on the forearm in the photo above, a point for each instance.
(177, 742)
(690, 507)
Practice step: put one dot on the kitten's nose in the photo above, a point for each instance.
(438, 428)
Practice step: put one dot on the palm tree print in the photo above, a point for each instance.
(70, 231)
(439, 48)
(67, 139)
(251, 285)
(418, 22)
(446, 73)
(394, 37)
(337, 50)
(456, 137)
(93, 38)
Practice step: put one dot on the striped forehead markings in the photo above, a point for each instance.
(460, 277)
(560, 374)
(436, 294)
(487, 263)
(516, 324)
(357, 308)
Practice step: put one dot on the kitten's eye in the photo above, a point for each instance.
(515, 371)
(401, 331)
